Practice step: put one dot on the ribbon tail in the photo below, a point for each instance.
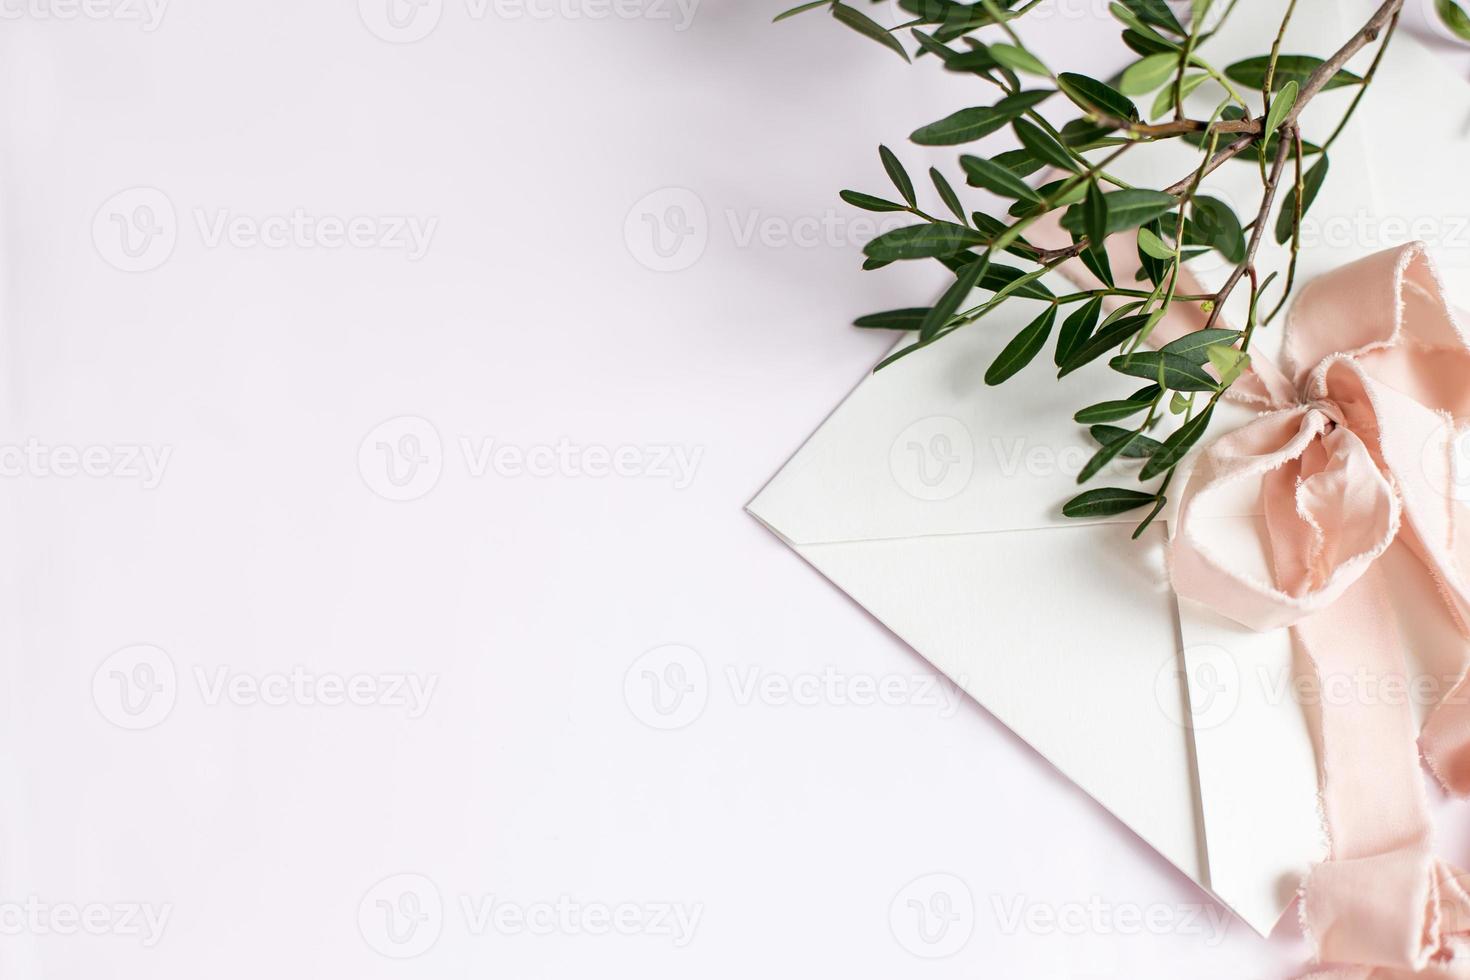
(1381, 901)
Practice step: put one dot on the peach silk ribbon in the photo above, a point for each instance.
(1352, 452)
(1355, 452)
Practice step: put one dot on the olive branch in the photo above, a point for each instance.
(1255, 120)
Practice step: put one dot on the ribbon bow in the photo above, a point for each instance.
(1354, 454)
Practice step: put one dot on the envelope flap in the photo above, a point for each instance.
(924, 446)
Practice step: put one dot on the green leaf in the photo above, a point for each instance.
(923, 241)
(1454, 17)
(1022, 350)
(1108, 337)
(1136, 445)
(1177, 445)
(947, 194)
(869, 203)
(943, 51)
(1228, 362)
(964, 126)
(1127, 208)
(1166, 94)
(1217, 224)
(949, 303)
(1019, 162)
(1106, 502)
(867, 27)
(1094, 215)
(1095, 257)
(800, 10)
(898, 175)
(1018, 59)
(1111, 411)
(1109, 452)
(1195, 346)
(969, 125)
(1093, 95)
(1281, 104)
(1085, 134)
(1077, 328)
(1147, 41)
(993, 228)
(1146, 35)
(1178, 373)
(1289, 68)
(997, 179)
(1041, 145)
(1144, 76)
(1155, 12)
(1311, 184)
(907, 319)
(1154, 268)
(1051, 196)
(1154, 246)
(1007, 280)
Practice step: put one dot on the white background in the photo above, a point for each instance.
(797, 829)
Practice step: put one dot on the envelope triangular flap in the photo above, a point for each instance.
(1074, 653)
(924, 446)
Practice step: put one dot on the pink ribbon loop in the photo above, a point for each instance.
(1344, 465)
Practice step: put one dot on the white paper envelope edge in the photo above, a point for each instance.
(1066, 632)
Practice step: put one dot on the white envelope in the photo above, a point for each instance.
(934, 501)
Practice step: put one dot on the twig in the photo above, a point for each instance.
(1324, 72)
(1283, 150)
